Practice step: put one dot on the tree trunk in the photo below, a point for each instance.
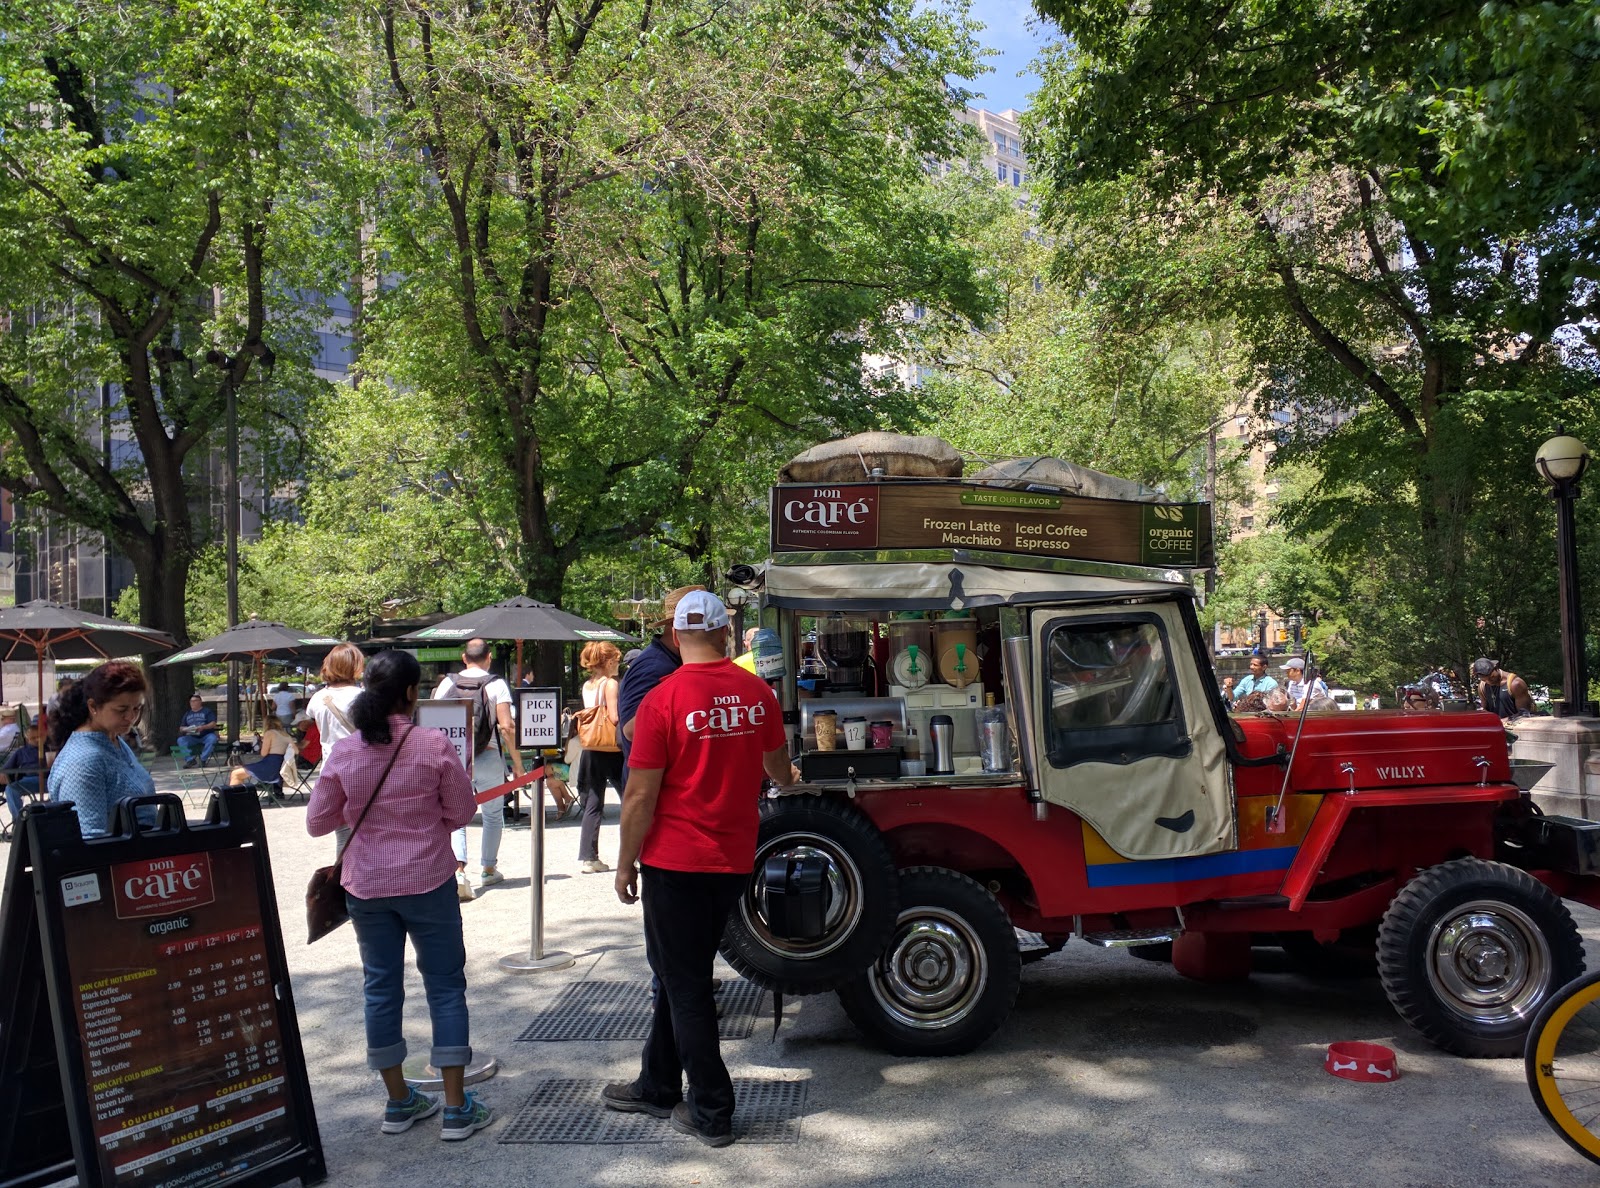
(161, 575)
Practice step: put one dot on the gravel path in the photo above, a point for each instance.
(1110, 1071)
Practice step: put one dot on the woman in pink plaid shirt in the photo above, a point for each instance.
(399, 878)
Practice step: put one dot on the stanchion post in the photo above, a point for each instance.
(536, 959)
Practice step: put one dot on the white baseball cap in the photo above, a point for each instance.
(699, 610)
(1293, 663)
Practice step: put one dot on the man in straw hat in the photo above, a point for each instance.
(647, 670)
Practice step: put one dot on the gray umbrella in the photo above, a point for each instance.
(516, 619)
(39, 629)
(256, 640)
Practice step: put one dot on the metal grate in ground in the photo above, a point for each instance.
(601, 1010)
(768, 1111)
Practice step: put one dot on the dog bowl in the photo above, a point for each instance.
(1356, 1061)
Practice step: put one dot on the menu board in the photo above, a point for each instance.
(170, 1001)
(177, 1018)
(950, 515)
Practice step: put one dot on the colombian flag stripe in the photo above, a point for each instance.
(1179, 870)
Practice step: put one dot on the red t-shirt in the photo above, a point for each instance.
(707, 727)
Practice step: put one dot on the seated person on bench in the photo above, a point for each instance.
(273, 744)
(21, 772)
(197, 732)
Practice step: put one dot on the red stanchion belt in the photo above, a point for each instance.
(511, 785)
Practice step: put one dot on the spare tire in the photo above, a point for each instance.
(863, 898)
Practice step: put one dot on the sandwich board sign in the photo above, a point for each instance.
(147, 1025)
(454, 717)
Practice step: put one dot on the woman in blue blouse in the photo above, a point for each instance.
(94, 767)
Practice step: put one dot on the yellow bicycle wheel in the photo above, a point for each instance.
(1563, 1064)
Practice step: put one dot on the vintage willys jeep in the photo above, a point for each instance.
(1137, 811)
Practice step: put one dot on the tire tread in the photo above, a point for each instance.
(1410, 995)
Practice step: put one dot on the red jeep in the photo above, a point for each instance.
(1130, 808)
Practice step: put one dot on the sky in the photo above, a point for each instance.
(1013, 28)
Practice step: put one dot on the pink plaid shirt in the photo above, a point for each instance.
(403, 847)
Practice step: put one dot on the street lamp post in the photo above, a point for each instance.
(1261, 633)
(1561, 462)
(738, 599)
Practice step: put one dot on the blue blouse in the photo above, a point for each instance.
(94, 772)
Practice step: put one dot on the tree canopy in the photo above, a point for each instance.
(1416, 241)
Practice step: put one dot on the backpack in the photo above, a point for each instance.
(470, 687)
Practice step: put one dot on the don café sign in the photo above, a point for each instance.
(162, 886)
(946, 515)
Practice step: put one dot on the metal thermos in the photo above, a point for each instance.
(942, 733)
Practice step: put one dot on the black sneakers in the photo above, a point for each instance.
(683, 1124)
(625, 1096)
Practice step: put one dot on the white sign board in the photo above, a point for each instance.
(538, 718)
(455, 719)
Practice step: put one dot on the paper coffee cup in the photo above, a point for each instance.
(826, 724)
(855, 734)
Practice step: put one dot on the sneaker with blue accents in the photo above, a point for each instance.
(466, 1119)
(399, 1116)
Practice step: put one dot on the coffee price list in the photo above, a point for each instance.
(178, 1019)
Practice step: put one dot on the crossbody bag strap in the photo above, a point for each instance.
(386, 770)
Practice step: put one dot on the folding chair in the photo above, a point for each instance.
(301, 782)
(195, 781)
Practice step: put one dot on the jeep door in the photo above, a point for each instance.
(1127, 738)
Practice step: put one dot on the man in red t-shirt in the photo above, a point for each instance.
(702, 740)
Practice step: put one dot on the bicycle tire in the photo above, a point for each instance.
(1562, 1062)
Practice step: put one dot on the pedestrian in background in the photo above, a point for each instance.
(1299, 688)
(399, 881)
(703, 739)
(1500, 692)
(329, 706)
(94, 768)
(597, 767)
(1256, 682)
(657, 661)
(493, 728)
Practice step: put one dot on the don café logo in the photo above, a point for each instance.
(828, 517)
(162, 886)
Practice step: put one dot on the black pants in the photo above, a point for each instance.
(684, 912)
(595, 768)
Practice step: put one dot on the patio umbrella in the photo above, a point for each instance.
(39, 629)
(517, 619)
(256, 640)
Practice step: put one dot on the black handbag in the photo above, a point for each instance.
(326, 908)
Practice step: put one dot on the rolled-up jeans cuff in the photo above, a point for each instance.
(452, 1056)
(382, 1058)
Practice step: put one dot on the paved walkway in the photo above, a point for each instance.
(1110, 1071)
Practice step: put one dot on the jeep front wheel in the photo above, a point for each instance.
(1470, 950)
(949, 975)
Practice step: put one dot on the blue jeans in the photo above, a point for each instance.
(15, 790)
(207, 743)
(488, 771)
(433, 922)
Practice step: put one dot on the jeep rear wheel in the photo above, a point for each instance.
(1469, 951)
(862, 892)
(949, 975)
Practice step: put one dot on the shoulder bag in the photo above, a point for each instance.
(596, 730)
(325, 903)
